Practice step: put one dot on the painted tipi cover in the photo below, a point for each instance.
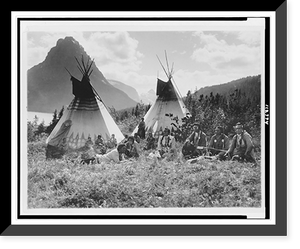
(85, 118)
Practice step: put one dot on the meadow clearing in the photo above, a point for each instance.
(145, 182)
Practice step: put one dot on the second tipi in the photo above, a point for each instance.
(167, 106)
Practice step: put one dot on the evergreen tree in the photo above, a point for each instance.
(61, 112)
(52, 123)
(136, 112)
(30, 132)
(41, 128)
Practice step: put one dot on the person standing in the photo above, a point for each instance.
(142, 129)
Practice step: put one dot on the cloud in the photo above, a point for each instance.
(252, 38)
(114, 49)
(228, 58)
(116, 54)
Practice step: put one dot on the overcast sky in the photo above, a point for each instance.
(201, 58)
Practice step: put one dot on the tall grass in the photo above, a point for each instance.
(65, 183)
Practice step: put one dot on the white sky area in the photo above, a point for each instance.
(201, 56)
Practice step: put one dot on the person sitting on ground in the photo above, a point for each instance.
(89, 155)
(88, 142)
(219, 144)
(166, 145)
(114, 155)
(124, 141)
(99, 140)
(195, 144)
(112, 142)
(137, 137)
(241, 147)
(150, 142)
(132, 149)
(100, 147)
(156, 136)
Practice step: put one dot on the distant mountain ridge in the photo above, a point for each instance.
(148, 97)
(130, 91)
(250, 85)
(49, 85)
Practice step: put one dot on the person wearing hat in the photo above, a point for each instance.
(166, 144)
(241, 147)
(195, 144)
(218, 144)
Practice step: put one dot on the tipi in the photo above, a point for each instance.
(86, 116)
(168, 105)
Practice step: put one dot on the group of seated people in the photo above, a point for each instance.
(126, 150)
(240, 148)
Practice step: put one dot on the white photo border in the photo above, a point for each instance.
(15, 211)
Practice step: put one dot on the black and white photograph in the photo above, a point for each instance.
(145, 119)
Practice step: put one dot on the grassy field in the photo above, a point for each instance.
(65, 183)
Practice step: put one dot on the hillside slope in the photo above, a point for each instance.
(249, 85)
(130, 91)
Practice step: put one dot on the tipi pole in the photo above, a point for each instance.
(83, 64)
(167, 63)
(90, 67)
(68, 72)
(162, 66)
(98, 96)
(177, 88)
(82, 71)
(90, 73)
